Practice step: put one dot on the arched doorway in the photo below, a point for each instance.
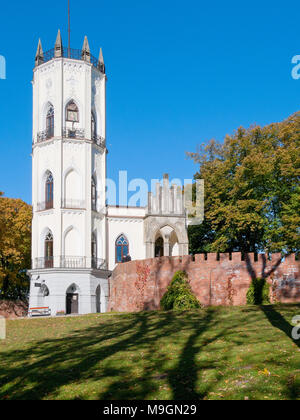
(98, 299)
(159, 247)
(72, 300)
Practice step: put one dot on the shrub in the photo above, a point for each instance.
(179, 295)
(258, 293)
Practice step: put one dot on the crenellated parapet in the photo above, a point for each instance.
(210, 276)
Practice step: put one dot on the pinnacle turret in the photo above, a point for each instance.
(101, 64)
(58, 48)
(86, 53)
(39, 57)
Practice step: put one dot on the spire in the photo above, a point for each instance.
(86, 53)
(101, 64)
(58, 48)
(39, 57)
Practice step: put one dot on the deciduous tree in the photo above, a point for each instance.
(252, 193)
(15, 247)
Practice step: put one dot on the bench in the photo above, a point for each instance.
(43, 311)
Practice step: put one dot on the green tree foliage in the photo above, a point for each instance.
(252, 190)
(179, 295)
(15, 248)
(258, 293)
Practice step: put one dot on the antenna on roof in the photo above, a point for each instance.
(69, 31)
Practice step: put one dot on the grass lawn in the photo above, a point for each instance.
(216, 353)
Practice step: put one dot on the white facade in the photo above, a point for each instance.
(75, 235)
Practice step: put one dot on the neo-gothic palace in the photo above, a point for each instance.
(77, 239)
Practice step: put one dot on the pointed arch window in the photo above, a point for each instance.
(50, 122)
(49, 250)
(49, 191)
(94, 194)
(93, 126)
(122, 249)
(72, 112)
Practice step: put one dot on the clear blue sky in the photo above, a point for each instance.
(179, 73)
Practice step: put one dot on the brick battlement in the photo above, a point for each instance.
(139, 285)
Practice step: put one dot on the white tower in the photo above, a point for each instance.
(69, 272)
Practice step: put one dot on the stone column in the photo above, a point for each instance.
(166, 246)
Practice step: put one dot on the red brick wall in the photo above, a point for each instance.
(139, 285)
(13, 309)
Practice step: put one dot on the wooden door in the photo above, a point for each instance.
(72, 303)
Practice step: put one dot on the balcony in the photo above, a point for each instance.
(73, 204)
(69, 262)
(75, 54)
(98, 140)
(45, 205)
(69, 133)
(45, 262)
(45, 135)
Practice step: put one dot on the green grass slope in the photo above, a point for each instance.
(214, 353)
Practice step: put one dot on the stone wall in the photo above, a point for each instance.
(215, 280)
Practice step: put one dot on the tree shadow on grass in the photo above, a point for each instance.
(140, 356)
(42, 368)
(47, 365)
(104, 356)
(279, 322)
(183, 378)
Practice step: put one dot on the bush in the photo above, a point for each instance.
(179, 295)
(258, 293)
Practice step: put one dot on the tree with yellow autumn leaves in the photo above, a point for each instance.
(15, 247)
(252, 190)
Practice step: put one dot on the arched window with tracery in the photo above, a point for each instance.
(49, 250)
(122, 248)
(93, 126)
(50, 122)
(94, 194)
(49, 191)
(72, 112)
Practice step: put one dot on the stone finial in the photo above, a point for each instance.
(101, 64)
(58, 48)
(86, 53)
(39, 57)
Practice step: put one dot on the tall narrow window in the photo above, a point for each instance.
(50, 123)
(94, 251)
(72, 112)
(122, 248)
(94, 194)
(93, 126)
(49, 250)
(49, 192)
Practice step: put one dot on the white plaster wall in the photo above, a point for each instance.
(72, 162)
(130, 222)
(58, 282)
